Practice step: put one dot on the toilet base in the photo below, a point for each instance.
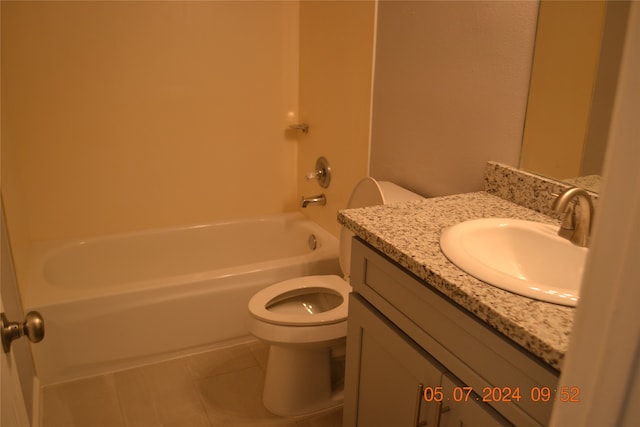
(299, 381)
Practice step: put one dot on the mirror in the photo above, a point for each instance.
(573, 79)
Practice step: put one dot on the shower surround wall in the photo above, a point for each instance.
(119, 116)
(336, 55)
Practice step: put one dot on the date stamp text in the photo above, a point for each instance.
(502, 394)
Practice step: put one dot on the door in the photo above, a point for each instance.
(13, 412)
(462, 407)
(393, 374)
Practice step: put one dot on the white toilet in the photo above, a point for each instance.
(305, 322)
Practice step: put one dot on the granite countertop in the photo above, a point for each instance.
(409, 233)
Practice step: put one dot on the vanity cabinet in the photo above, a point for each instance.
(414, 358)
(402, 385)
(393, 373)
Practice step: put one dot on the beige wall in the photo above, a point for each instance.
(450, 91)
(130, 115)
(336, 49)
(127, 115)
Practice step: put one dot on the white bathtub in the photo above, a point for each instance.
(119, 301)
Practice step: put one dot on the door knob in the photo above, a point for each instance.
(32, 328)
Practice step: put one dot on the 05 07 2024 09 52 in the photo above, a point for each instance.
(502, 394)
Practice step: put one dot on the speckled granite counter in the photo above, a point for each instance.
(409, 233)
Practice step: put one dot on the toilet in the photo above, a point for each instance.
(304, 321)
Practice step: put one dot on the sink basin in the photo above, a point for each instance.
(523, 257)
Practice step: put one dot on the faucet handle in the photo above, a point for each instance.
(322, 173)
(310, 176)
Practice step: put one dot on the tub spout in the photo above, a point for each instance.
(319, 200)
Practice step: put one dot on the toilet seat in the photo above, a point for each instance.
(304, 321)
(332, 284)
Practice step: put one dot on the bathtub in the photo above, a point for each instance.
(114, 302)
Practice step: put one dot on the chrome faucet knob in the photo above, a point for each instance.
(322, 173)
(310, 176)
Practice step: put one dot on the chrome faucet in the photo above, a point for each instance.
(320, 200)
(576, 226)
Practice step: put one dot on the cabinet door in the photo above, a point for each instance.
(461, 408)
(389, 373)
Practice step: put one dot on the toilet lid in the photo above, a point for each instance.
(277, 303)
(366, 193)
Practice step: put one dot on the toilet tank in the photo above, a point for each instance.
(369, 192)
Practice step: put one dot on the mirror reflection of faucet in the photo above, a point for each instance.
(319, 200)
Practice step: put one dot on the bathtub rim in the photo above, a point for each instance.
(36, 291)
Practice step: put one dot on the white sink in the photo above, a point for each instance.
(524, 257)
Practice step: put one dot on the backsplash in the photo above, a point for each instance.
(525, 189)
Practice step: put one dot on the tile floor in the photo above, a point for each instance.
(219, 388)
